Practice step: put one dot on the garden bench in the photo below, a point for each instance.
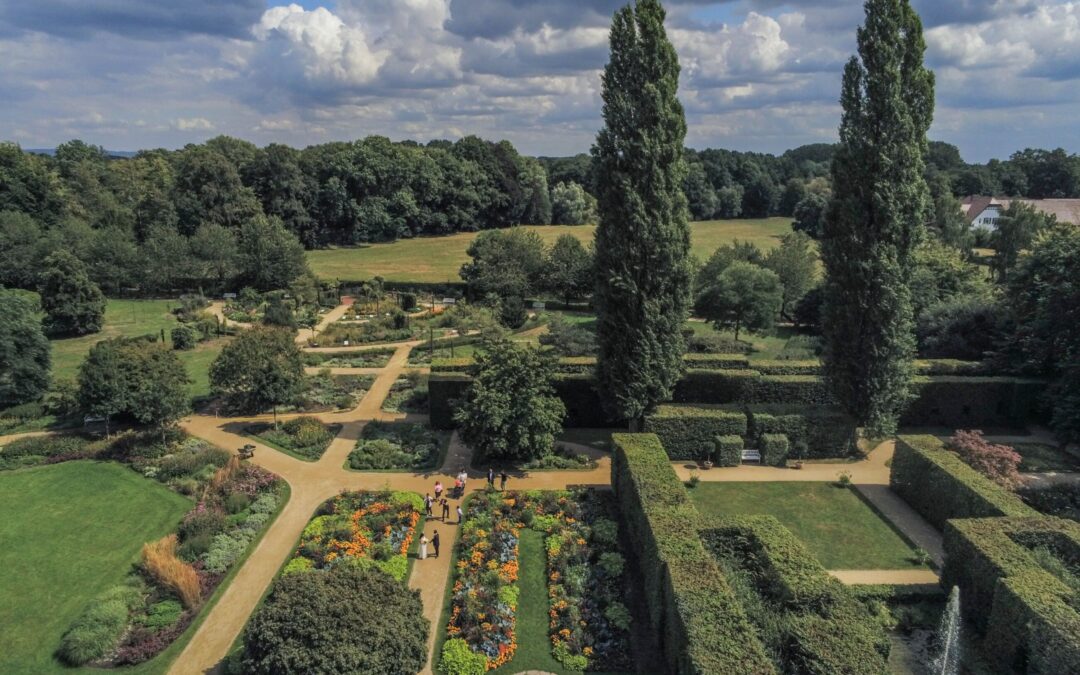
(751, 455)
(246, 452)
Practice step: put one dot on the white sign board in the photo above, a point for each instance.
(449, 301)
(538, 305)
(229, 296)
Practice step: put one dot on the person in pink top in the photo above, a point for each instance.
(438, 490)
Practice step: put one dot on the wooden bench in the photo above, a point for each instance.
(751, 455)
(246, 452)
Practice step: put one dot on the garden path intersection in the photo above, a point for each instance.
(312, 483)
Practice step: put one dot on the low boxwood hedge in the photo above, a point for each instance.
(1027, 615)
(940, 486)
(774, 449)
(827, 629)
(811, 367)
(728, 450)
(689, 431)
(705, 630)
(717, 361)
(951, 367)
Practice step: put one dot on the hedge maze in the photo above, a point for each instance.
(1026, 614)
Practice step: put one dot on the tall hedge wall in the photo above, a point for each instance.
(584, 409)
(715, 386)
(973, 402)
(940, 486)
(1027, 615)
(703, 629)
(444, 389)
(827, 630)
(814, 431)
(690, 431)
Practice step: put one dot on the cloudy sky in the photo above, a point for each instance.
(757, 74)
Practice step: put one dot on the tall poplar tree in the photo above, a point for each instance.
(876, 217)
(643, 239)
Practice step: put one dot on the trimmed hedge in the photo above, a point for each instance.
(444, 390)
(703, 630)
(715, 386)
(774, 449)
(792, 389)
(973, 402)
(812, 367)
(940, 486)
(584, 409)
(461, 364)
(717, 361)
(951, 367)
(814, 431)
(1027, 615)
(728, 450)
(576, 365)
(689, 431)
(896, 594)
(828, 630)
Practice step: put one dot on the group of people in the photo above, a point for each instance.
(444, 505)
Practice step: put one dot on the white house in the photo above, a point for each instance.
(984, 212)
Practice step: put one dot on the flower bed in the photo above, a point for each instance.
(374, 358)
(235, 501)
(589, 624)
(386, 446)
(324, 392)
(360, 528)
(304, 437)
(408, 394)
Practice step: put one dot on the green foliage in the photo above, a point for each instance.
(73, 303)
(270, 256)
(24, 351)
(717, 361)
(568, 269)
(99, 628)
(1017, 229)
(510, 410)
(689, 431)
(795, 263)
(136, 376)
(348, 619)
(183, 338)
(967, 401)
(279, 311)
(572, 205)
(743, 296)
(458, 659)
(716, 386)
(868, 251)
(940, 486)
(1027, 614)
(705, 629)
(508, 263)
(403, 447)
(813, 431)
(262, 367)
(643, 238)
(774, 449)
(728, 450)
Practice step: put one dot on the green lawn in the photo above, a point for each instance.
(834, 523)
(130, 318)
(70, 531)
(438, 259)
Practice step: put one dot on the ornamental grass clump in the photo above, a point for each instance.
(161, 562)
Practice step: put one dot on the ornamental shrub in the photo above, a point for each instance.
(226, 549)
(183, 338)
(346, 620)
(728, 450)
(458, 659)
(163, 614)
(774, 449)
(98, 630)
(999, 463)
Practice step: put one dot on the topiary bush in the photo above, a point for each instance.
(345, 620)
(728, 450)
(774, 449)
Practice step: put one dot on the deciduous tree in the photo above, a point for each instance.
(24, 350)
(743, 296)
(262, 368)
(73, 303)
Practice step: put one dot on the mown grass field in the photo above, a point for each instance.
(834, 523)
(130, 318)
(70, 531)
(438, 259)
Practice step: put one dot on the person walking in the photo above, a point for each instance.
(491, 477)
(427, 504)
(460, 515)
(438, 489)
(445, 509)
(423, 546)
(502, 480)
(435, 542)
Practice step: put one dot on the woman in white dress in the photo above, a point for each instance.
(423, 546)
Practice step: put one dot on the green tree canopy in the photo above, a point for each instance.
(569, 269)
(349, 619)
(643, 271)
(73, 303)
(572, 205)
(271, 257)
(24, 350)
(744, 296)
(262, 368)
(1016, 230)
(510, 410)
(508, 263)
(875, 219)
(795, 263)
